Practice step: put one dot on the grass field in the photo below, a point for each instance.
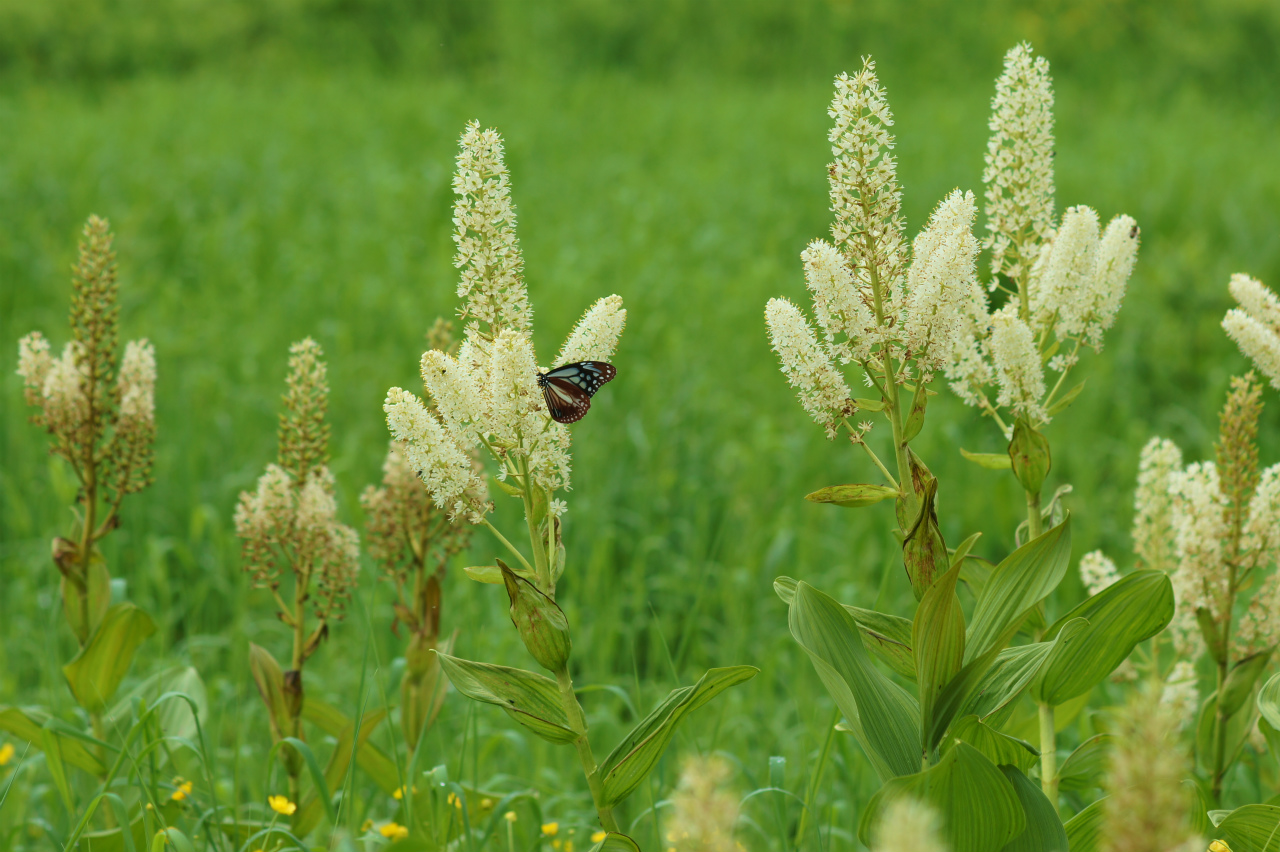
(262, 200)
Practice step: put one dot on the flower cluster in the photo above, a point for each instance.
(488, 393)
(704, 808)
(292, 515)
(1255, 325)
(99, 408)
(909, 825)
(1097, 572)
(1065, 281)
(891, 309)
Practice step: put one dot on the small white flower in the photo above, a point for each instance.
(1019, 373)
(1181, 691)
(1255, 325)
(556, 508)
(1153, 529)
(595, 337)
(138, 383)
(1097, 572)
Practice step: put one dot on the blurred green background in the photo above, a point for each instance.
(280, 168)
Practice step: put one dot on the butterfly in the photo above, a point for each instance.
(568, 389)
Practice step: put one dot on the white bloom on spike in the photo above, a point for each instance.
(456, 394)
(1154, 537)
(1019, 373)
(1255, 325)
(1260, 625)
(138, 383)
(595, 337)
(431, 452)
(1117, 253)
(1262, 530)
(1097, 572)
(1064, 274)
(484, 220)
(865, 195)
(34, 364)
(842, 307)
(64, 385)
(909, 825)
(968, 370)
(945, 302)
(1019, 163)
(1181, 691)
(271, 504)
(512, 389)
(1200, 528)
(808, 368)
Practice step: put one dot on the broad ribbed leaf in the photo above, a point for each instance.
(95, 673)
(369, 757)
(1084, 830)
(1252, 828)
(531, 699)
(937, 635)
(979, 809)
(1084, 767)
(1241, 680)
(1238, 727)
(335, 770)
(880, 714)
(28, 724)
(852, 496)
(1000, 748)
(886, 636)
(1119, 617)
(1008, 676)
(630, 761)
(1269, 701)
(1044, 831)
(1018, 583)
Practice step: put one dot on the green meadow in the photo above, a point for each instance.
(278, 171)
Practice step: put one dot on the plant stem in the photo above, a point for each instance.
(1220, 732)
(578, 722)
(1033, 516)
(815, 780)
(509, 546)
(1048, 756)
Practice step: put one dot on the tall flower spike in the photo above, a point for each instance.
(1153, 529)
(821, 388)
(595, 337)
(488, 254)
(1019, 372)
(1255, 325)
(1019, 164)
(843, 309)
(945, 301)
(439, 461)
(303, 432)
(1117, 253)
(865, 195)
(1067, 269)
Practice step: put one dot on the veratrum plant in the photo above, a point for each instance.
(487, 396)
(901, 316)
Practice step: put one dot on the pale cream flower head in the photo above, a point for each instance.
(1098, 572)
(1153, 530)
(1019, 373)
(909, 825)
(807, 366)
(1255, 325)
(945, 301)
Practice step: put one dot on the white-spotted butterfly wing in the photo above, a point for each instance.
(568, 389)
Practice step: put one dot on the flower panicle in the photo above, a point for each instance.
(303, 432)
(1154, 537)
(1255, 325)
(909, 825)
(807, 366)
(705, 810)
(1098, 572)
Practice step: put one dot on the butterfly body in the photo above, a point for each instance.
(568, 389)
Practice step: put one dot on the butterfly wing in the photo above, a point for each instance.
(568, 389)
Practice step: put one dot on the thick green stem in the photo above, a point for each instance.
(1048, 756)
(1219, 736)
(578, 722)
(1033, 515)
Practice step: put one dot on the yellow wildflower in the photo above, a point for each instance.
(509, 816)
(556, 844)
(486, 803)
(282, 805)
(455, 801)
(393, 831)
(598, 836)
(6, 753)
(1219, 846)
(550, 829)
(183, 789)
(568, 846)
(399, 793)
(366, 825)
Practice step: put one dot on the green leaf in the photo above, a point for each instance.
(1067, 398)
(336, 770)
(991, 461)
(1044, 831)
(1000, 748)
(1084, 767)
(1012, 670)
(1198, 812)
(887, 636)
(869, 404)
(937, 635)
(924, 550)
(616, 842)
(1269, 701)
(852, 496)
(881, 715)
(52, 746)
(1238, 727)
(175, 717)
(1029, 456)
(979, 808)
(531, 699)
(270, 682)
(1084, 830)
(1252, 828)
(539, 620)
(915, 416)
(29, 724)
(1019, 582)
(369, 757)
(95, 673)
(959, 554)
(1241, 680)
(631, 760)
(1119, 617)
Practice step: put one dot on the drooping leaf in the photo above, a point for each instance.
(880, 714)
(1084, 767)
(1012, 670)
(1251, 828)
(979, 808)
(937, 636)
(887, 636)
(1269, 701)
(1241, 681)
(28, 724)
(1125, 613)
(369, 757)
(852, 496)
(52, 746)
(336, 770)
(999, 747)
(531, 699)
(631, 760)
(1018, 583)
(492, 574)
(1238, 727)
(1084, 830)
(95, 673)
(991, 461)
(1044, 831)
(175, 717)
(1067, 398)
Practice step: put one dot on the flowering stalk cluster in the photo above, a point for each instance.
(293, 544)
(99, 410)
(413, 540)
(485, 399)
